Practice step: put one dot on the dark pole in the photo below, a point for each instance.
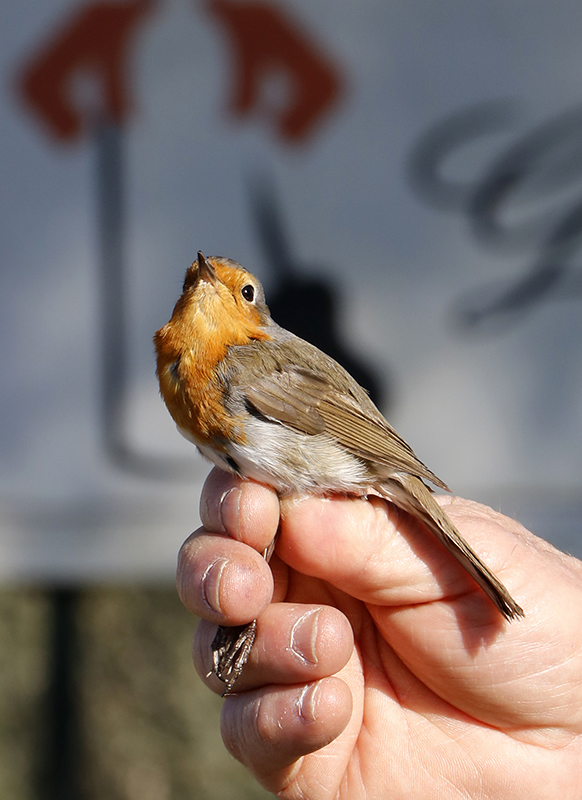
(60, 775)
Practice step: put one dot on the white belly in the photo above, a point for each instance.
(295, 462)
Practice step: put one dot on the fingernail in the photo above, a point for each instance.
(228, 510)
(304, 636)
(306, 702)
(211, 584)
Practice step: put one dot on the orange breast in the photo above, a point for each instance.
(193, 396)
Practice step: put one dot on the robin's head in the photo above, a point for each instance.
(221, 304)
(223, 284)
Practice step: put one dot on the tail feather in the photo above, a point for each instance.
(410, 494)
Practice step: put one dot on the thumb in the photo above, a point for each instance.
(378, 553)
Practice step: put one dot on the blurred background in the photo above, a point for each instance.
(406, 180)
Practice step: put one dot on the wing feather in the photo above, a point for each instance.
(299, 398)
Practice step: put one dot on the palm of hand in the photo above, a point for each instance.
(447, 700)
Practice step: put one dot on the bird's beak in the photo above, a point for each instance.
(206, 271)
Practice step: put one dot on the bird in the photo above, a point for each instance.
(260, 402)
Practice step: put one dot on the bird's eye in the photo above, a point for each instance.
(248, 292)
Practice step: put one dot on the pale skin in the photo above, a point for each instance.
(380, 671)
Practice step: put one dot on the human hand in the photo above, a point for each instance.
(380, 669)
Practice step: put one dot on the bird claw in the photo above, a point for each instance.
(231, 648)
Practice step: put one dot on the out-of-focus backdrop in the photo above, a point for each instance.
(406, 180)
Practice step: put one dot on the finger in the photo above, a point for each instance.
(269, 730)
(294, 644)
(381, 555)
(247, 511)
(221, 580)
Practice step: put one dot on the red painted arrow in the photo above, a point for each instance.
(265, 41)
(95, 41)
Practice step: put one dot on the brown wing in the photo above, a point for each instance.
(336, 405)
(284, 397)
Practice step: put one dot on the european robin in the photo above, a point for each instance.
(260, 402)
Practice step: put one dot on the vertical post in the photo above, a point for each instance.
(110, 233)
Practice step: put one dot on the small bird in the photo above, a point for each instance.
(264, 404)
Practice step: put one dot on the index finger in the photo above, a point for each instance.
(245, 510)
